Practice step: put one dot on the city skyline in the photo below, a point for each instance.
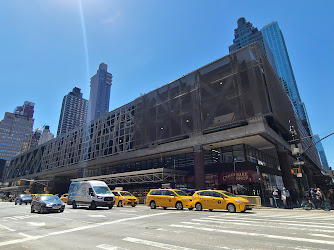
(141, 70)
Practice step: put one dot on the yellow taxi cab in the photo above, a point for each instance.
(168, 198)
(123, 198)
(219, 199)
(64, 198)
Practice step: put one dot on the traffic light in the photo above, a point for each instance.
(44, 189)
(296, 171)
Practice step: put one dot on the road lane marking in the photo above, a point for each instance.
(109, 247)
(36, 224)
(10, 242)
(155, 244)
(303, 223)
(7, 228)
(279, 237)
(96, 215)
(322, 235)
(252, 224)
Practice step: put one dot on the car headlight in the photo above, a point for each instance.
(100, 197)
(48, 205)
(239, 201)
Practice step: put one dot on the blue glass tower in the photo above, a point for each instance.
(246, 34)
(321, 152)
(99, 97)
(274, 37)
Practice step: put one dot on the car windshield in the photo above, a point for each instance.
(102, 190)
(50, 198)
(126, 194)
(181, 193)
(229, 194)
(25, 196)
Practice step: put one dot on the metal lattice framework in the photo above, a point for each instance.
(145, 176)
(105, 136)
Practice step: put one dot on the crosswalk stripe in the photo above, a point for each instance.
(155, 244)
(278, 221)
(279, 237)
(259, 224)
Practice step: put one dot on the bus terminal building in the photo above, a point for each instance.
(224, 126)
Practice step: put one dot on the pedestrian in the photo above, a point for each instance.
(313, 197)
(275, 197)
(319, 197)
(286, 198)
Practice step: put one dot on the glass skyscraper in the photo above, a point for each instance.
(274, 37)
(321, 152)
(99, 97)
(73, 111)
(246, 34)
(16, 131)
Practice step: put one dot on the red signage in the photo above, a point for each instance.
(236, 177)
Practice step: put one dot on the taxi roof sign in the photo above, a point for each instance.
(118, 188)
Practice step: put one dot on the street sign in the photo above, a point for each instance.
(296, 163)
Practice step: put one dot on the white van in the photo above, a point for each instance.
(91, 193)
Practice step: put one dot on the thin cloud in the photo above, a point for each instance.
(111, 19)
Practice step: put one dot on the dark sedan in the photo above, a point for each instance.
(23, 198)
(47, 203)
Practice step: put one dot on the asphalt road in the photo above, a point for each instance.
(144, 228)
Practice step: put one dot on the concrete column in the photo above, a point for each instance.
(309, 175)
(283, 158)
(199, 172)
(80, 173)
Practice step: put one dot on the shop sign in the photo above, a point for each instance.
(244, 176)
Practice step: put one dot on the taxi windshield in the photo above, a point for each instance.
(126, 194)
(229, 194)
(102, 190)
(181, 193)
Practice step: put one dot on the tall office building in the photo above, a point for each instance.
(73, 111)
(16, 131)
(99, 97)
(321, 151)
(35, 138)
(274, 37)
(46, 135)
(246, 34)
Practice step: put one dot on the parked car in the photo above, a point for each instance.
(23, 198)
(47, 203)
(123, 198)
(168, 198)
(219, 199)
(64, 198)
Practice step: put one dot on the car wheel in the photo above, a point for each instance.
(110, 207)
(164, 208)
(20, 202)
(179, 205)
(74, 205)
(32, 209)
(153, 205)
(93, 205)
(119, 204)
(15, 203)
(61, 210)
(198, 206)
(26, 203)
(210, 210)
(231, 208)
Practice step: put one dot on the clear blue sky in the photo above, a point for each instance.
(148, 43)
